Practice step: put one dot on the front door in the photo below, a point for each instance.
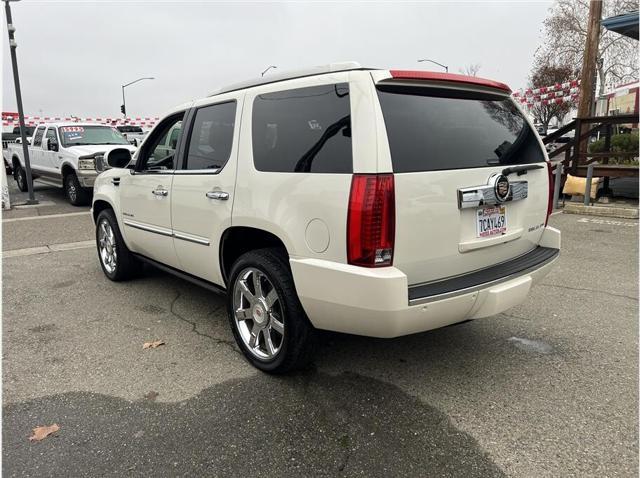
(146, 197)
(203, 188)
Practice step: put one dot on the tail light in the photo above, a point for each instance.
(551, 187)
(371, 221)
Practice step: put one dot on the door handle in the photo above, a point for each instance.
(160, 191)
(220, 195)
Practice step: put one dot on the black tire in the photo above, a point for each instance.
(21, 178)
(125, 264)
(77, 195)
(298, 342)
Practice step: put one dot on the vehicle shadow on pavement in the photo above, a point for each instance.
(311, 424)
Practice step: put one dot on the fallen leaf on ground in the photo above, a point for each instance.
(152, 395)
(153, 345)
(40, 433)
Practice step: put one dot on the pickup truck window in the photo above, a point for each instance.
(211, 136)
(52, 136)
(306, 130)
(84, 135)
(37, 139)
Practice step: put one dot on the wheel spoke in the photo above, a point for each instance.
(257, 284)
(268, 343)
(246, 292)
(243, 314)
(277, 325)
(255, 331)
(271, 298)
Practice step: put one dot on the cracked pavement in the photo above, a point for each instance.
(547, 389)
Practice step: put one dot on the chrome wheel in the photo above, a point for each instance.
(258, 314)
(20, 179)
(107, 246)
(71, 189)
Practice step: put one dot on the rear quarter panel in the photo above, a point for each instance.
(305, 208)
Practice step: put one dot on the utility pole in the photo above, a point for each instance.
(589, 66)
(16, 80)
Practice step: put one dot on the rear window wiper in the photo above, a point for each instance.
(520, 169)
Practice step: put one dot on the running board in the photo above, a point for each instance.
(182, 275)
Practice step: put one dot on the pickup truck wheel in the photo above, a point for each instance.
(116, 260)
(21, 179)
(77, 195)
(267, 319)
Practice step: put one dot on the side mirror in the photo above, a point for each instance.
(116, 158)
(52, 146)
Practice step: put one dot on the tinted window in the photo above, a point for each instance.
(37, 139)
(303, 130)
(439, 131)
(159, 153)
(211, 136)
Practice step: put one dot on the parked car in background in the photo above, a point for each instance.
(13, 137)
(134, 134)
(65, 155)
(372, 202)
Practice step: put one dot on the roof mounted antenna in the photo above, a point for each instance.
(268, 68)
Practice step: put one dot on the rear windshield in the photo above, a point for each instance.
(432, 129)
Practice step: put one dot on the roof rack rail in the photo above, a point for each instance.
(290, 75)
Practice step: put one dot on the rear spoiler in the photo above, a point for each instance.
(448, 77)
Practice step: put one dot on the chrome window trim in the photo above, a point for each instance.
(198, 171)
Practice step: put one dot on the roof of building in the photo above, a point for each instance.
(625, 24)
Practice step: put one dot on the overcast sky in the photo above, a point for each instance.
(74, 56)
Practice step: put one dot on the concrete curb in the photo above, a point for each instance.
(606, 211)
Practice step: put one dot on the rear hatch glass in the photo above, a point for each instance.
(442, 140)
(429, 131)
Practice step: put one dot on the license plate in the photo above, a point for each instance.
(491, 221)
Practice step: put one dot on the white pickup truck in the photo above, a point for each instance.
(65, 155)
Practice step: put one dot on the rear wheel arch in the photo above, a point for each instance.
(238, 240)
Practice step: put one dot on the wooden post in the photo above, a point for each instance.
(588, 72)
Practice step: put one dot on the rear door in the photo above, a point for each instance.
(459, 207)
(204, 186)
(35, 151)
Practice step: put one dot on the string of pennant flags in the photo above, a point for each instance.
(559, 93)
(12, 120)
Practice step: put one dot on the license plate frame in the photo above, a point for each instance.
(491, 221)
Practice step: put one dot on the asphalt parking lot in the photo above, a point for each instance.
(548, 389)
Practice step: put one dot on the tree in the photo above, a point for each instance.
(543, 75)
(470, 70)
(565, 32)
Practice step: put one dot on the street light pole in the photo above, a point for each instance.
(446, 68)
(124, 105)
(23, 136)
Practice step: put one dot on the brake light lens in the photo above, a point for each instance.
(371, 220)
(551, 187)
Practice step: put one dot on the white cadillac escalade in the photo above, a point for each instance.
(373, 202)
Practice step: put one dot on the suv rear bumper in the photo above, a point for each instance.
(379, 302)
